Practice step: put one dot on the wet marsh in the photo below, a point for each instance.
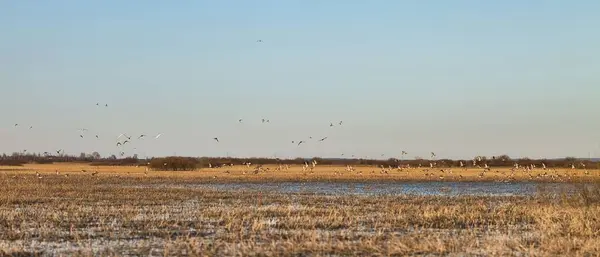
(82, 215)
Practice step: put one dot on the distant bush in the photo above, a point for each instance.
(174, 163)
(119, 162)
(12, 162)
(43, 161)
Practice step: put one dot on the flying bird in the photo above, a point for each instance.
(259, 41)
(157, 136)
(240, 120)
(124, 135)
(141, 136)
(216, 139)
(331, 124)
(322, 139)
(16, 124)
(81, 136)
(97, 136)
(30, 127)
(432, 155)
(340, 123)
(300, 143)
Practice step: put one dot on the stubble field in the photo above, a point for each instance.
(118, 211)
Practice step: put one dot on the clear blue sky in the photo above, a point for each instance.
(460, 78)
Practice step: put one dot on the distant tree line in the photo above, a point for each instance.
(191, 163)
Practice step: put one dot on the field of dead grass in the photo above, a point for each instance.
(82, 215)
(319, 173)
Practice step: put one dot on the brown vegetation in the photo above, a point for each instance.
(105, 215)
(254, 172)
(174, 163)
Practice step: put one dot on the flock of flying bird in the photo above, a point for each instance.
(124, 138)
(128, 139)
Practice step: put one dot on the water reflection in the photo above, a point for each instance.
(400, 188)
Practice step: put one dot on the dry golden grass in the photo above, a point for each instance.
(82, 215)
(327, 173)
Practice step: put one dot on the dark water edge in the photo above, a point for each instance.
(396, 188)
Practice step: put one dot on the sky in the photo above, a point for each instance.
(459, 78)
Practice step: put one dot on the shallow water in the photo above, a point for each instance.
(397, 188)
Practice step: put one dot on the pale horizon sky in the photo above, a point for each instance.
(459, 78)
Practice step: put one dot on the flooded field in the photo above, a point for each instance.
(392, 188)
(85, 215)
